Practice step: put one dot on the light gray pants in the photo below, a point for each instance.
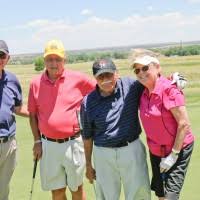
(7, 166)
(125, 165)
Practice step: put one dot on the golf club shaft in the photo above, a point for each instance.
(35, 167)
(33, 178)
(31, 192)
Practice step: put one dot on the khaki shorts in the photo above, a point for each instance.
(8, 152)
(62, 164)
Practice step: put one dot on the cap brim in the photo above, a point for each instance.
(105, 71)
(146, 60)
(4, 51)
(54, 53)
(142, 62)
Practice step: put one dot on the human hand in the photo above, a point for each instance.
(37, 151)
(168, 162)
(179, 79)
(90, 173)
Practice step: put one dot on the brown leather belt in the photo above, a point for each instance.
(62, 140)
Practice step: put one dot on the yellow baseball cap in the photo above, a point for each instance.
(54, 47)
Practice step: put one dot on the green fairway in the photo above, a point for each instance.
(21, 181)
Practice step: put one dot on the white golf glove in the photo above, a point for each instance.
(168, 162)
(179, 79)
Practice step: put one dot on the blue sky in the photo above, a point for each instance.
(27, 25)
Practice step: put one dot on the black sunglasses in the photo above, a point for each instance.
(3, 55)
(144, 69)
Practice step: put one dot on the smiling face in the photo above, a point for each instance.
(54, 66)
(147, 74)
(107, 82)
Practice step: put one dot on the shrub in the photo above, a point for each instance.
(39, 64)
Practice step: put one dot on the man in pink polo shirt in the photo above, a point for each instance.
(54, 98)
(166, 124)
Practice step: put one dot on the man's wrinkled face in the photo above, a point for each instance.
(54, 65)
(107, 82)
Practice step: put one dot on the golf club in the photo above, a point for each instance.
(33, 178)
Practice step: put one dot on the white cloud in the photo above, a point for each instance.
(39, 22)
(102, 32)
(193, 1)
(86, 12)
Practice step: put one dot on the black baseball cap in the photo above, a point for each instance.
(102, 66)
(3, 47)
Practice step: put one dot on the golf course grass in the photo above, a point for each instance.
(21, 181)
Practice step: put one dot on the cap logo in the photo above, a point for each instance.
(102, 64)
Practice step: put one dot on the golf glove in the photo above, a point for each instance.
(179, 79)
(168, 162)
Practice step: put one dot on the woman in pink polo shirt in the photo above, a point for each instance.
(166, 124)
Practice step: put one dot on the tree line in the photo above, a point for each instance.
(88, 56)
(180, 50)
(85, 57)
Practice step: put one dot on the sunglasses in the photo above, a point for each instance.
(2, 55)
(144, 69)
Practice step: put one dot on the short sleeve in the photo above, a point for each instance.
(17, 92)
(173, 97)
(87, 131)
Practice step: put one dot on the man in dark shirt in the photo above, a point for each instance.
(110, 121)
(10, 103)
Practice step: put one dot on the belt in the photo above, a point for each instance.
(63, 139)
(124, 143)
(4, 139)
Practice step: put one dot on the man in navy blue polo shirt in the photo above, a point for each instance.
(110, 121)
(10, 104)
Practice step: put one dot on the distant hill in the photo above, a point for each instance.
(29, 58)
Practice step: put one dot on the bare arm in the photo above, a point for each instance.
(90, 172)
(37, 148)
(21, 111)
(88, 146)
(181, 116)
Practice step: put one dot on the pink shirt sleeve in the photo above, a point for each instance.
(31, 100)
(173, 97)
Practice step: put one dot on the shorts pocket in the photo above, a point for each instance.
(14, 144)
(77, 154)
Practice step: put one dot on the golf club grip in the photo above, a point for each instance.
(35, 167)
